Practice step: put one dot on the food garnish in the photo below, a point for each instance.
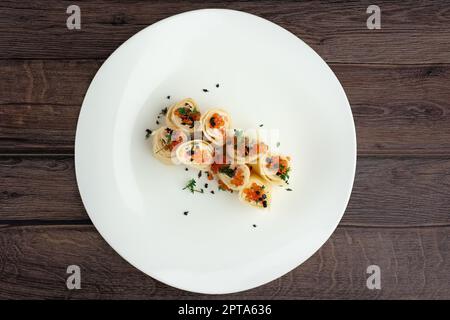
(190, 185)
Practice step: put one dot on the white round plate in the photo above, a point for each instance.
(266, 76)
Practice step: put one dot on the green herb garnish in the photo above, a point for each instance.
(191, 184)
(183, 111)
(165, 145)
(284, 176)
(227, 170)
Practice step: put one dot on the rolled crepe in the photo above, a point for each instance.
(274, 168)
(256, 193)
(196, 154)
(215, 124)
(166, 140)
(234, 176)
(184, 115)
(244, 148)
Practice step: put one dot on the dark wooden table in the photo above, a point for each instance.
(397, 80)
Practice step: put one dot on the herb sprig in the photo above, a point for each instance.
(285, 175)
(191, 185)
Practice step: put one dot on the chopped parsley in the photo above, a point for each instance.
(227, 170)
(183, 111)
(191, 184)
(285, 173)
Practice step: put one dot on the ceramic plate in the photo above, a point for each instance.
(266, 76)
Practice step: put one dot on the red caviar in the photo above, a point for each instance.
(215, 167)
(238, 179)
(188, 115)
(283, 167)
(216, 121)
(256, 194)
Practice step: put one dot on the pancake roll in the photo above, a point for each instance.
(184, 115)
(242, 147)
(197, 154)
(274, 168)
(257, 192)
(215, 123)
(165, 142)
(234, 176)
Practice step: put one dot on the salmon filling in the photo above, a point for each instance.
(198, 155)
(244, 147)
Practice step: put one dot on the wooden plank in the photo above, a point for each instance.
(414, 263)
(387, 192)
(38, 82)
(412, 32)
(40, 102)
(397, 109)
(39, 189)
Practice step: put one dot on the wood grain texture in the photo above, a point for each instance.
(39, 189)
(414, 264)
(387, 192)
(40, 102)
(398, 110)
(411, 31)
